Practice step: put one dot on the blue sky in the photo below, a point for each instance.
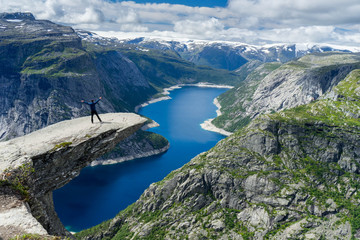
(193, 3)
(249, 21)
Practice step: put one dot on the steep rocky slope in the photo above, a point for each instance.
(288, 175)
(45, 72)
(140, 144)
(47, 68)
(271, 88)
(235, 101)
(163, 68)
(33, 166)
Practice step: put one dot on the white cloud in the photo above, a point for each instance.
(129, 16)
(91, 15)
(301, 34)
(251, 21)
(289, 13)
(191, 27)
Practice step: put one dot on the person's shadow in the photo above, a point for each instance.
(99, 123)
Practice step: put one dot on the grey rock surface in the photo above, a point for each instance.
(46, 71)
(287, 175)
(269, 89)
(139, 145)
(47, 159)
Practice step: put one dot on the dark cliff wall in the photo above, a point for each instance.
(292, 174)
(34, 165)
(45, 72)
(271, 87)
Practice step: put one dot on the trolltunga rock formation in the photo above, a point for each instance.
(33, 166)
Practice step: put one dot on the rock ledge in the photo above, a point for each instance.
(32, 166)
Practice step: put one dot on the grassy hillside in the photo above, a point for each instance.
(164, 69)
(271, 87)
(235, 101)
(289, 175)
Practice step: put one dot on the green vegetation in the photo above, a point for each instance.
(17, 179)
(60, 145)
(102, 227)
(28, 236)
(55, 61)
(145, 141)
(234, 102)
(204, 188)
(164, 69)
(329, 58)
(328, 119)
(342, 111)
(349, 88)
(123, 233)
(155, 140)
(156, 232)
(297, 65)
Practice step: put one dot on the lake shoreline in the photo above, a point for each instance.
(166, 92)
(208, 126)
(130, 157)
(104, 190)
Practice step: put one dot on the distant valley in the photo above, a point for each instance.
(290, 170)
(232, 55)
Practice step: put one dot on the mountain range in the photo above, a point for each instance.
(232, 55)
(272, 87)
(290, 170)
(47, 69)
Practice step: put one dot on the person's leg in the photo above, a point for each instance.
(92, 116)
(98, 116)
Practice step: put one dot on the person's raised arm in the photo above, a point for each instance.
(98, 100)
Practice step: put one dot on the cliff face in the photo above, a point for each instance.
(140, 144)
(235, 102)
(34, 165)
(46, 69)
(45, 72)
(287, 175)
(161, 67)
(271, 88)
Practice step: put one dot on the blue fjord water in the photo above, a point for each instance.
(100, 192)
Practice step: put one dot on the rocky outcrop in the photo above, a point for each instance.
(17, 16)
(287, 175)
(34, 165)
(235, 101)
(301, 82)
(271, 89)
(139, 145)
(46, 70)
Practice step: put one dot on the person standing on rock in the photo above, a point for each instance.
(93, 109)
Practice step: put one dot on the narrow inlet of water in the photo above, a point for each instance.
(100, 192)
